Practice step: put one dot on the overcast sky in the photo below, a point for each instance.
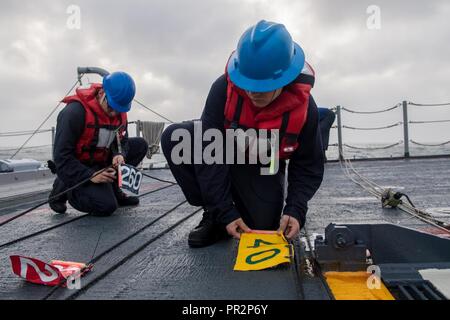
(176, 49)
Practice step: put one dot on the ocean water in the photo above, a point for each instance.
(44, 153)
(397, 151)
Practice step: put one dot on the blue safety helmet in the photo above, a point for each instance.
(120, 90)
(266, 58)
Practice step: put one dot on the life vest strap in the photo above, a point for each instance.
(237, 113)
(284, 123)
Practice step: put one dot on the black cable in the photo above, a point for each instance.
(116, 245)
(409, 200)
(101, 255)
(158, 179)
(52, 198)
(165, 187)
(41, 231)
(129, 256)
(67, 222)
(22, 213)
(98, 241)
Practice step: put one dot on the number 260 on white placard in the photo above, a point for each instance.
(131, 178)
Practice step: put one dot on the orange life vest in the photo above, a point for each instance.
(287, 113)
(93, 147)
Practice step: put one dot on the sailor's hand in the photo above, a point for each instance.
(236, 227)
(118, 160)
(289, 226)
(106, 176)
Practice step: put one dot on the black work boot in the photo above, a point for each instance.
(58, 204)
(206, 233)
(123, 199)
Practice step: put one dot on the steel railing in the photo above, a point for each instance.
(406, 123)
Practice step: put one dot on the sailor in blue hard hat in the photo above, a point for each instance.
(91, 134)
(266, 85)
(119, 90)
(266, 58)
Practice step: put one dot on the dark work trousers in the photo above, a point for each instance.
(99, 199)
(258, 198)
(326, 119)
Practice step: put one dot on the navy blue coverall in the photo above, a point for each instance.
(237, 191)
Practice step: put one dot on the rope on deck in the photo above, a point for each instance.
(377, 191)
(430, 145)
(372, 112)
(375, 128)
(374, 148)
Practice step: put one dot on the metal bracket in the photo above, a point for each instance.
(340, 250)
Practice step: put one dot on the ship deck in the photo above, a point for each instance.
(158, 264)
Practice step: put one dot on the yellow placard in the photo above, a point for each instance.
(353, 286)
(261, 251)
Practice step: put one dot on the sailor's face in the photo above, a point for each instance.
(104, 104)
(263, 99)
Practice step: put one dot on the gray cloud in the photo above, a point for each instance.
(176, 49)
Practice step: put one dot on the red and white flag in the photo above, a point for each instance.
(54, 273)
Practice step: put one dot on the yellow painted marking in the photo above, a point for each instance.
(353, 286)
(262, 251)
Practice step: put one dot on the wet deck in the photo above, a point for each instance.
(166, 268)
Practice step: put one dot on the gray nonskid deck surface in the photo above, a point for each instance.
(340, 200)
(76, 241)
(166, 269)
(169, 269)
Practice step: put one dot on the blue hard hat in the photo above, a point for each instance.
(266, 58)
(120, 90)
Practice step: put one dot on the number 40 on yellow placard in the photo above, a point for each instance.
(261, 251)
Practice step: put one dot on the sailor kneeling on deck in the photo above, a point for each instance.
(266, 85)
(86, 141)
